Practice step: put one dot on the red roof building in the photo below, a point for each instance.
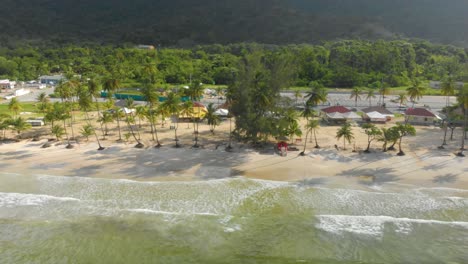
(336, 109)
(421, 116)
(419, 112)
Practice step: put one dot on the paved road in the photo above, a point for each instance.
(436, 103)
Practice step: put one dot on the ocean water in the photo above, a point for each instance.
(49, 219)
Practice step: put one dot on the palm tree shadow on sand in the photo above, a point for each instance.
(200, 163)
(372, 176)
(447, 178)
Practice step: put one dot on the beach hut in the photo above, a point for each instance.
(375, 117)
(334, 114)
(352, 117)
(379, 109)
(421, 116)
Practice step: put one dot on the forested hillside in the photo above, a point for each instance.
(348, 63)
(185, 23)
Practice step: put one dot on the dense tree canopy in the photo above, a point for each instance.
(351, 63)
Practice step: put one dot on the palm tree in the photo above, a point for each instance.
(87, 130)
(346, 133)
(129, 118)
(448, 89)
(140, 112)
(402, 99)
(462, 98)
(356, 94)
(4, 123)
(187, 111)
(372, 133)
(317, 95)
(58, 131)
(416, 91)
(94, 90)
(384, 91)
(311, 127)
(370, 94)
(43, 100)
(152, 100)
(85, 102)
(212, 119)
(297, 95)
(15, 106)
(172, 106)
(105, 119)
(404, 130)
(195, 92)
(18, 124)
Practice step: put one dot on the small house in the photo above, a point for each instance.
(377, 114)
(7, 84)
(335, 114)
(51, 79)
(421, 116)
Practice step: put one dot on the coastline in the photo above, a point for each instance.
(423, 165)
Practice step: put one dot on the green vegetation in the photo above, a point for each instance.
(183, 23)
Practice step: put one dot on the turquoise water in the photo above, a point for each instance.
(47, 219)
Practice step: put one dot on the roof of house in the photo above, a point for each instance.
(419, 112)
(336, 108)
(378, 109)
(351, 115)
(376, 115)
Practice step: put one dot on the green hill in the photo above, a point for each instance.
(185, 23)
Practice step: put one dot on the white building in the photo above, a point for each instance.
(7, 84)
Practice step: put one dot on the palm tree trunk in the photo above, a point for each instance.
(118, 126)
(464, 131)
(315, 137)
(99, 114)
(139, 144)
(305, 144)
(94, 132)
(66, 132)
(175, 132)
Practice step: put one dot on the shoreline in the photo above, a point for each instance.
(421, 166)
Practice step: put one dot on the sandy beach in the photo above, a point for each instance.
(423, 165)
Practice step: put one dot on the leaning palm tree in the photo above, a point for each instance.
(85, 101)
(130, 120)
(172, 106)
(15, 106)
(356, 94)
(462, 98)
(415, 91)
(346, 133)
(311, 127)
(370, 94)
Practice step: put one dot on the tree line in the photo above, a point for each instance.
(347, 63)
